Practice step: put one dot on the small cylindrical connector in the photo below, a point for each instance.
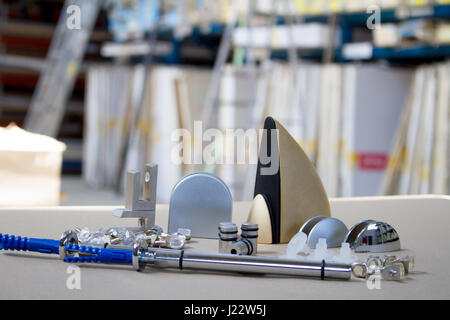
(249, 232)
(228, 231)
(230, 243)
(228, 234)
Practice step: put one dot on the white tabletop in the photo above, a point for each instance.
(423, 224)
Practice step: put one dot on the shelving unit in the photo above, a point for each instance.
(347, 22)
(387, 15)
(26, 38)
(393, 54)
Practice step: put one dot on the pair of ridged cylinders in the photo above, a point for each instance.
(230, 242)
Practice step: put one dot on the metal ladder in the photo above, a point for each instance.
(3, 17)
(61, 67)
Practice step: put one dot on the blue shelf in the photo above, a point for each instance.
(215, 29)
(417, 52)
(349, 21)
(282, 54)
(387, 15)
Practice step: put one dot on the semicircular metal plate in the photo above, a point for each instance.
(307, 227)
(200, 201)
(332, 229)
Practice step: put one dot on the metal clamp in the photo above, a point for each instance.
(143, 207)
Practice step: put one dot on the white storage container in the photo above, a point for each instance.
(30, 168)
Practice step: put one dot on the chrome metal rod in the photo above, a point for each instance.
(186, 259)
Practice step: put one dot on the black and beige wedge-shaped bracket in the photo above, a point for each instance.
(288, 190)
(140, 200)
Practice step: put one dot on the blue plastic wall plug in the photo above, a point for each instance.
(11, 242)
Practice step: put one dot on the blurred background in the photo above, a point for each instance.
(94, 88)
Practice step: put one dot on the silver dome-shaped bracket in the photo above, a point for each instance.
(373, 236)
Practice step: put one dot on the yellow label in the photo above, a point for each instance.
(318, 6)
(353, 158)
(124, 126)
(111, 123)
(394, 160)
(424, 174)
(144, 127)
(336, 5)
(443, 34)
(418, 3)
(156, 137)
(72, 69)
(341, 145)
(302, 6)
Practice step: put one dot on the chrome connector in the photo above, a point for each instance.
(229, 241)
(389, 267)
(408, 262)
(68, 237)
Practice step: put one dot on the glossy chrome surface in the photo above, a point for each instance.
(186, 259)
(356, 230)
(373, 236)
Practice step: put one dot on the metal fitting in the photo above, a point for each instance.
(140, 204)
(375, 262)
(229, 241)
(68, 237)
(249, 232)
(185, 259)
(408, 262)
(228, 235)
(394, 271)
